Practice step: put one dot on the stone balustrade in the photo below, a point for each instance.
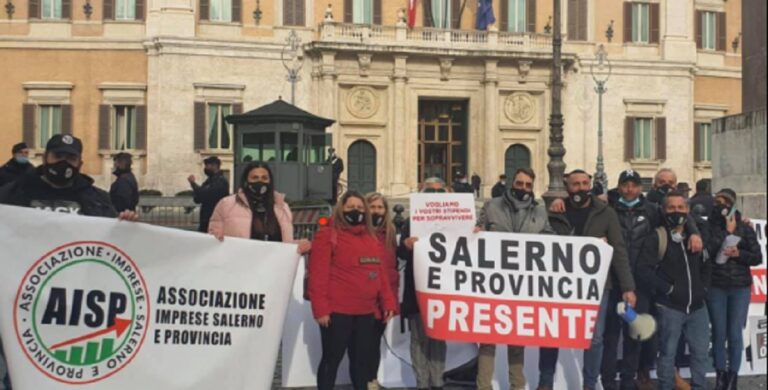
(334, 32)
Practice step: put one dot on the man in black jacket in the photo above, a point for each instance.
(500, 187)
(17, 166)
(59, 186)
(703, 199)
(638, 218)
(124, 192)
(678, 279)
(211, 192)
(427, 355)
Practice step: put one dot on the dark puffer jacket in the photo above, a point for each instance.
(80, 198)
(735, 272)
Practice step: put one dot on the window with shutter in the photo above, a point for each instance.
(28, 124)
(721, 31)
(108, 10)
(52, 9)
(105, 127)
(219, 133)
(220, 10)
(577, 20)
(708, 24)
(441, 13)
(655, 21)
(362, 11)
(293, 13)
(643, 140)
(204, 10)
(660, 131)
(629, 138)
(125, 9)
(123, 127)
(141, 128)
(516, 15)
(34, 9)
(139, 9)
(530, 17)
(703, 142)
(199, 126)
(49, 123)
(641, 23)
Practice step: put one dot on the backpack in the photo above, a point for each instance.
(334, 239)
(661, 232)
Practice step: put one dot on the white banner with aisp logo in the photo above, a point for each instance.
(96, 303)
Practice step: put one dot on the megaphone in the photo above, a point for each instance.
(641, 326)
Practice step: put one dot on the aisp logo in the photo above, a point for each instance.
(81, 332)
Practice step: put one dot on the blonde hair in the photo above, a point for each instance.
(338, 212)
(390, 239)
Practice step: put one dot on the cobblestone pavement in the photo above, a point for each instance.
(745, 383)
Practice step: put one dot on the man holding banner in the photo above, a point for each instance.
(515, 211)
(588, 216)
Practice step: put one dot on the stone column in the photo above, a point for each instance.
(490, 135)
(401, 150)
(171, 18)
(328, 94)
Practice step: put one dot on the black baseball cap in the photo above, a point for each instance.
(65, 143)
(213, 160)
(630, 175)
(19, 147)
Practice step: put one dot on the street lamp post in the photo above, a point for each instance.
(556, 150)
(293, 61)
(600, 74)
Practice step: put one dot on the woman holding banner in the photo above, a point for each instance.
(385, 232)
(734, 246)
(255, 211)
(347, 284)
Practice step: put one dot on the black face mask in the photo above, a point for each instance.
(209, 172)
(377, 219)
(522, 195)
(664, 190)
(257, 189)
(675, 219)
(354, 217)
(61, 173)
(579, 198)
(120, 171)
(722, 210)
(432, 190)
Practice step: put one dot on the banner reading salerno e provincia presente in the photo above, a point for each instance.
(97, 303)
(503, 288)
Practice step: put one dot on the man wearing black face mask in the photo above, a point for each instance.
(516, 211)
(679, 279)
(58, 185)
(124, 192)
(214, 188)
(588, 216)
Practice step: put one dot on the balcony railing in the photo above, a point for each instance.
(424, 37)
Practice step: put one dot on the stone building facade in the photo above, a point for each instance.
(433, 98)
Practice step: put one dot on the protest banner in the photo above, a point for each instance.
(97, 303)
(503, 288)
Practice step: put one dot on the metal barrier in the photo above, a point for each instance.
(305, 220)
(181, 212)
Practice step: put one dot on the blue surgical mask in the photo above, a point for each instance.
(629, 203)
(21, 159)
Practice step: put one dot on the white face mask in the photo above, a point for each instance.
(677, 237)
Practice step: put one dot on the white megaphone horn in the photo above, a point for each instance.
(641, 326)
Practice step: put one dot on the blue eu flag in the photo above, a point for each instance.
(485, 16)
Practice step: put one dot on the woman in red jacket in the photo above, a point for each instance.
(347, 283)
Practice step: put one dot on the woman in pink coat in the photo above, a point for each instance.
(255, 211)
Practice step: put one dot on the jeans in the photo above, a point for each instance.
(547, 365)
(593, 357)
(695, 327)
(633, 351)
(728, 309)
(355, 333)
(427, 356)
(486, 362)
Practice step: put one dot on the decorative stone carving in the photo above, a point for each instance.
(523, 68)
(328, 13)
(362, 102)
(520, 107)
(364, 61)
(445, 68)
(401, 20)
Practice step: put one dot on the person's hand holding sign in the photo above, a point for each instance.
(410, 242)
(128, 215)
